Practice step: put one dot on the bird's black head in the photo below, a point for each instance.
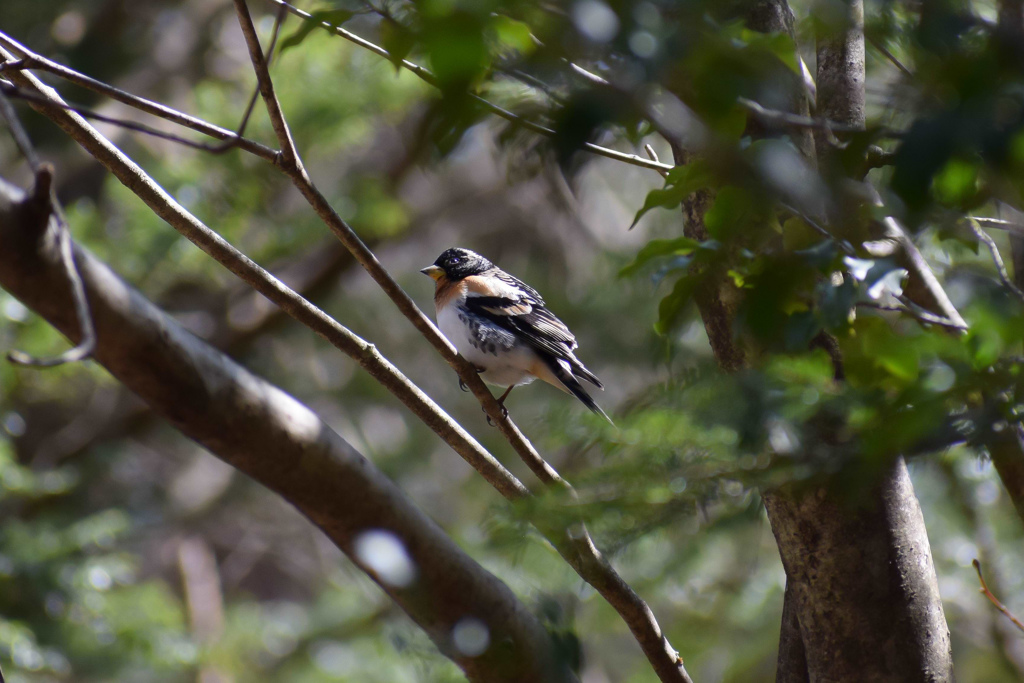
(457, 263)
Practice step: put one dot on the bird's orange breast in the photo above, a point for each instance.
(445, 291)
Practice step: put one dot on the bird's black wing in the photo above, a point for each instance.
(529, 320)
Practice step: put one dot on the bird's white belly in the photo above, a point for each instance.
(504, 365)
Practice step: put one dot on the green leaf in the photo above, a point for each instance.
(671, 307)
(513, 34)
(397, 40)
(681, 182)
(779, 44)
(732, 210)
(957, 183)
(335, 17)
(680, 246)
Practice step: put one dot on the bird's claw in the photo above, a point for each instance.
(462, 385)
(504, 414)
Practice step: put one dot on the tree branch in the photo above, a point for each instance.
(273, 438)
(43, 201)
(997, 259)
(993, 599)
(575, 545)
(32, 60)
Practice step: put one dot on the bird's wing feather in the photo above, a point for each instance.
(531, 321)
(515, 306)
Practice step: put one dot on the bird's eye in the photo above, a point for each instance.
(455, 259)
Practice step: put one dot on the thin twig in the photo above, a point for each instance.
(654, 157)
(427, 76)
(44, 198)
(786, 118)
(993, 599)
(17, 131)
(15, 92)
(819, 228)
(575, 545)
(999, 224)
(915, 312)
(917, 263)
(32, 60)
(891, 57)
(996, 257)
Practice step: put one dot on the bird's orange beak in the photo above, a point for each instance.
(435, 272)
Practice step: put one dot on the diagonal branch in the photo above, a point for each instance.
(993, 599)
(997, 259)
(32, 60)
(576, 547)
(918, 265)
(270, 436)
(44, 201)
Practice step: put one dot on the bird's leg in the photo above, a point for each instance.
(462, 385)
(501, 402)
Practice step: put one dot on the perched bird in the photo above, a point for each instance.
(499, 323)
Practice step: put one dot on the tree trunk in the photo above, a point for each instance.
(862, 600)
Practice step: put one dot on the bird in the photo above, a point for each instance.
(501, 325)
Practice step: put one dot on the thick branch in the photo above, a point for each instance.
(273, 438)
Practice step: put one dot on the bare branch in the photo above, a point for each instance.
(17, 93)
(993, 599)
(918, 265)
(44, 200)
(279, 442)
(784, 118)
(996, 258)
(32, 60)
(575, 546)
(21, 138)
(428, 77)
(654, 157)
(891, 57)
(921, 314)
(1015, 227)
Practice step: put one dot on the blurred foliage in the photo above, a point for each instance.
(99, 501)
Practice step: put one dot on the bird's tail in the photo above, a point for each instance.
(580, 370)
(565, 375)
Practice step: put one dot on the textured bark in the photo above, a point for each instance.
(792, 661)
(1008, 453)
(1008, 457)
(860, 573)
(862, 600)
(863, 584)
(280, 443)
(840, 79)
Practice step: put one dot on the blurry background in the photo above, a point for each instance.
(127, 553)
